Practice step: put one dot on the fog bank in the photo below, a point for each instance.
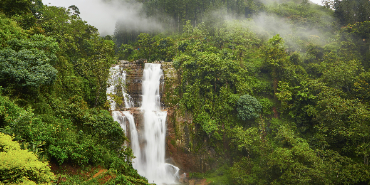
(104, 15)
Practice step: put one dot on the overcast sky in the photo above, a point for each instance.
(90, 11)
(104, 16)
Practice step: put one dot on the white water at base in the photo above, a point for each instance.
(152, 164)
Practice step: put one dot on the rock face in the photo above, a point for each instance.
(134, 71)
(180, 144)
(134, 78)
(180, 127)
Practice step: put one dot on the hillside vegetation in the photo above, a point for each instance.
(278, 89)
(53, 73)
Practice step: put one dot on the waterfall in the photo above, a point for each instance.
(127, 98)
(150, 152)
(117, 78)
(152, 165)
(113, 81)
(117, 116)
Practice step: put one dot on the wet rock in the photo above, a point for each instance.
(183, 178)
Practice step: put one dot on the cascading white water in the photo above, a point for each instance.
(134, 138)
(117, 78)
(150, 157)
(152, 164)
(113, 81)
(117, 116)
(127, 98)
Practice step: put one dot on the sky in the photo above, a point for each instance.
(316, 1)
(104, 16)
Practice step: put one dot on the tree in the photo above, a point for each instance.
(276, 60)
(26, 12)
(27, 62)
(248, 107)
(352, 11)
(360, 32)
(19, 7)
(21, 166)
(84, 57)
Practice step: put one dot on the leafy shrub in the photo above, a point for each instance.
(208, 124)
(28, 62)
(21, 166)
(13, 119)
(248, 107)
(245, 172)
(127, 180)
(123, 167)
(267, 105)
(76, 134)
(125, 51)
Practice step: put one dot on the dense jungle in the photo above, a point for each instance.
(276, 91)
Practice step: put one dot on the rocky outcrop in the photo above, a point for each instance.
(134, 75)
(181, 143)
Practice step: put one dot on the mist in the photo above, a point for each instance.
(104, 15)
(319, 2)
(267, 25)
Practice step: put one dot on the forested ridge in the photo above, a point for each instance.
(277, 90)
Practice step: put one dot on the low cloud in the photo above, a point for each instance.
(105, 14)
(285, 1)
(291, 33)
(267, 25)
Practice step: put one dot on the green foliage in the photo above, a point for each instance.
(219, 176)
(67, 137)
(123, 179)
(304, 14)
(84, 58)
(361, 84)
(318, 133)
(27, 67)
(267, 105)
(18, 7)
(21, 166)
(246, 172)
(158, 48)
(126, 52)
(208, 124)
(26, 63)
(227, 72)
(52, 75)
(349, 12)
(10, 30)
(340, 74)
(248, 107)
(247, 139)
(360, 33)
(306, 93)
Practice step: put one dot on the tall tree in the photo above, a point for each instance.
(352, 11)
